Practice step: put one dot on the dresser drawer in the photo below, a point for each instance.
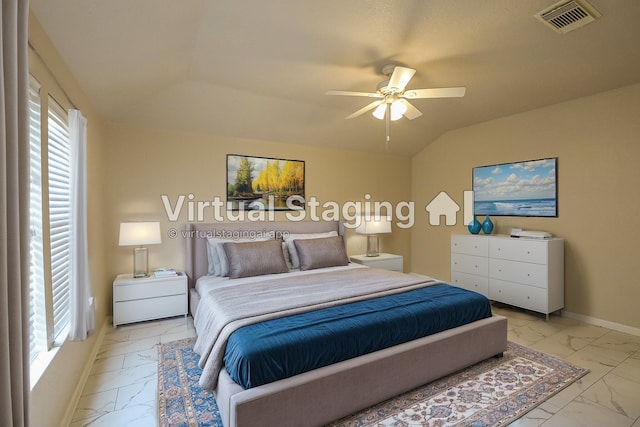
(524, 296)
(469, 245)
(524, 250)
(519, 272)
(150, 308)
(126, 292)
(471, 282)
(469, 264)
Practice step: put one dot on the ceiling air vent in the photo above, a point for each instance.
(568, 16)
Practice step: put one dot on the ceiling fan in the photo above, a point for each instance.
(392, 96)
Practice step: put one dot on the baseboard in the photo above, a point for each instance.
(605, 323)
(77, 393)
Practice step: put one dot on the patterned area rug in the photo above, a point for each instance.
(491, 393)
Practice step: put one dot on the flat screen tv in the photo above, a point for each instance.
(528, 188)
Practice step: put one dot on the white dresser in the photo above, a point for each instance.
(527, 273)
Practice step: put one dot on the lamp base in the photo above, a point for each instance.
(140, 262)
(372, 245)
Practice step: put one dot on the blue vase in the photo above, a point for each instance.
(487, 225)
(474, 226)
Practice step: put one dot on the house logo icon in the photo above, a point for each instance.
(441, 205)
(444, 205)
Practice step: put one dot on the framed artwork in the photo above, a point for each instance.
(262, 183)
(528, 188)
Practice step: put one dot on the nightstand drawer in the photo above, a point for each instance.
(385, 261)
(387, 264)
(148, 298)
(150, 308)
(149, 290)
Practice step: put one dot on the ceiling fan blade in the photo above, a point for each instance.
(412, 112)
(444, 92)
(364, 109)
(400, 77)
(349, 93)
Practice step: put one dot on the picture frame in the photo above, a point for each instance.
(265, 183)
(523, 189)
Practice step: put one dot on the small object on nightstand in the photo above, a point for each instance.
(165, 272)
(386, 261)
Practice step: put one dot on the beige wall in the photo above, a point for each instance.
(53, 392)
(597, 142)
(143, 164)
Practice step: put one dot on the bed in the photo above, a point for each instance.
(338, 387)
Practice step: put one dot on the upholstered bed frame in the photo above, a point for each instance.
(329, 393)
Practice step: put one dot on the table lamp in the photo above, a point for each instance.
(372, 225)
(139, 234)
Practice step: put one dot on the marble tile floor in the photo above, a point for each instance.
(121, 390)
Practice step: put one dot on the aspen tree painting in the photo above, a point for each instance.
(261, 183)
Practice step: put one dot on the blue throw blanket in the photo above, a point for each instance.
(280, 348)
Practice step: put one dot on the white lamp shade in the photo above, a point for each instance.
(378, 113)
(139, 233)
(374, 224)
(398, 108)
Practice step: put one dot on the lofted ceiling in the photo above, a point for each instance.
(260, 69)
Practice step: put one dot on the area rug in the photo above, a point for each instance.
(494, 392)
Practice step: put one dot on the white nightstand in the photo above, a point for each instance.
(148, 298)
(386, 261)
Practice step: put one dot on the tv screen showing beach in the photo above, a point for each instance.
(528, 188)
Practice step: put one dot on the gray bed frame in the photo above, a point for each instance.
(326, 394)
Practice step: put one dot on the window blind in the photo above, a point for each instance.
(37, 313)
(59, 173)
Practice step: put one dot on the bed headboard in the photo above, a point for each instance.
(197, 233)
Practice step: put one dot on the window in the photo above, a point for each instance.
(50, 210)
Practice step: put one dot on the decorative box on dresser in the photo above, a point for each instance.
(527, 273)
(148, 298)
(386, 261)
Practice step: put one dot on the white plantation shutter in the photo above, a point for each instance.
(37, 313)
(59, 164)
(50, 211)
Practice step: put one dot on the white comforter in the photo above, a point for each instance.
(224, 309)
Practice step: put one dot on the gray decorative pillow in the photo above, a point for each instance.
(293, 253)
(321, 253)
(255, 258)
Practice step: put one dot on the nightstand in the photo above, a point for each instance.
(386, 261)
(148, 298)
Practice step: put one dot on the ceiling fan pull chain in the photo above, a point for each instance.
(388, 115)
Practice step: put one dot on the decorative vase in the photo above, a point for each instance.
(487, 225)
(474, 226)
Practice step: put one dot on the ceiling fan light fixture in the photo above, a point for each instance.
(378, 113)
(397, 110)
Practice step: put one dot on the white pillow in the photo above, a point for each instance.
(217, 258)
(293, 253)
